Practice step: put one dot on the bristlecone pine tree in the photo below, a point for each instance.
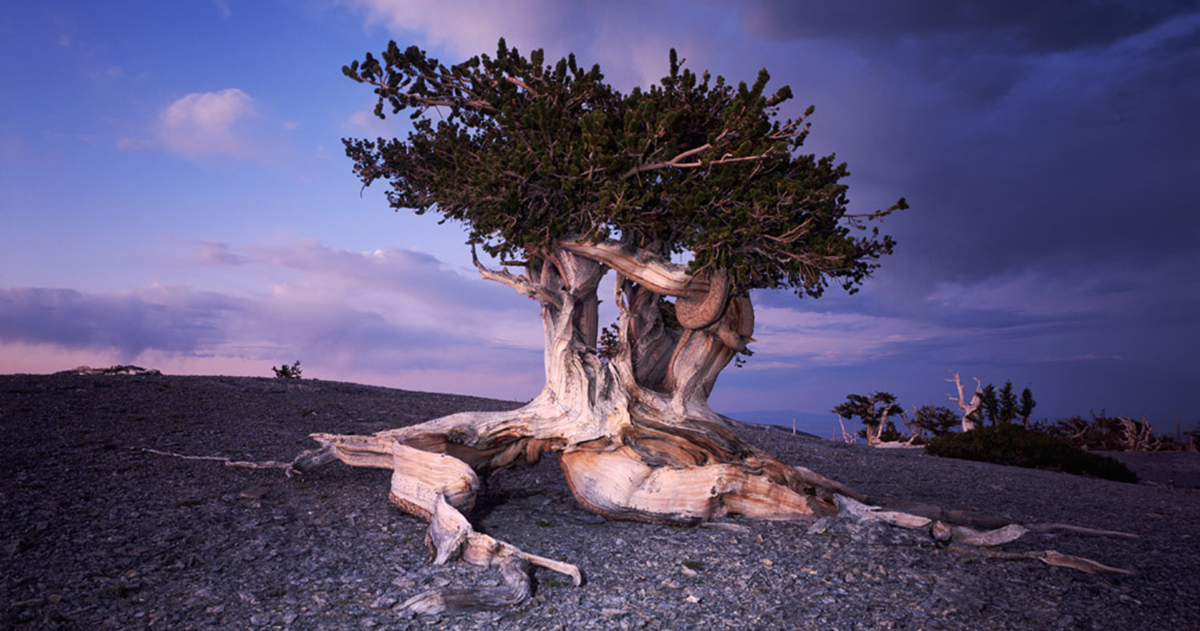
(562, 178)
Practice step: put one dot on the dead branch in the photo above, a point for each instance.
(229, 462)
(519, 283)
(964, 538)
(1049, 557)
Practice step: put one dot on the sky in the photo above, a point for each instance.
(174, 194)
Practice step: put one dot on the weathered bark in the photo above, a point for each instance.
(635, 436)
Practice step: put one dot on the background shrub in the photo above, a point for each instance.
(1016, 446)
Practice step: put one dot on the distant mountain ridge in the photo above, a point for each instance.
(821, 425)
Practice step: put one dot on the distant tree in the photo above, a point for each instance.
(1006, 410)
(287, 372)
(936, 419)
(1026, 407)
(989, 405)
(873, 409)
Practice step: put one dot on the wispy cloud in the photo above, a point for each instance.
(365, 122)
(206, 124)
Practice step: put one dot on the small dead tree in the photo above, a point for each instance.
(969, 410)
(1138, 436)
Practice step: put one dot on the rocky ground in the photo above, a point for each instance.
(100, 534)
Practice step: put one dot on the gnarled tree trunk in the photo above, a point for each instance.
(635, 435)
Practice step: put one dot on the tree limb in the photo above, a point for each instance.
(519, 283)
(647, 270)
(678, 163)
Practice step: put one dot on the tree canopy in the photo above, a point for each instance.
(529, 155)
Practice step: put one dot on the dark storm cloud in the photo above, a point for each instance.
(129, 322)
(1018, 26)
(979, 48)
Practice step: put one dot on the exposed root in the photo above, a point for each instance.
(970, 540)
(517, 587)
(1079, 530)
(229, 462)
(440, 488)
(1049, 557)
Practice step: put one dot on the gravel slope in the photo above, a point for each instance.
(99, 534)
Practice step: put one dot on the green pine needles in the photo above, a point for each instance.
(527, 155)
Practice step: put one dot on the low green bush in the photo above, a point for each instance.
(1016, 446)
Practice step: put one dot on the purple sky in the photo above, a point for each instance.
(173, 194)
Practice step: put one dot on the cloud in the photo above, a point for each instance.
(127, 322)
(1018, 26)
(469, 27)
(366, 122)
(111, 72)
(410, 288)
(125, 143)
(1089, 322)
(223, 9)
(205, 124)
(978, 49)
(388, 316)
(634, 52)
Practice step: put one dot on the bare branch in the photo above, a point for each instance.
(229, 462)
(517, 82)
(677, 161)
(519, 283)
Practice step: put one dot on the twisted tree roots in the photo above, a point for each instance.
(642, 475)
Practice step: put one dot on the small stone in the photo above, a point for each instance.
(255, 492)
(384, 601)
(820, 526)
